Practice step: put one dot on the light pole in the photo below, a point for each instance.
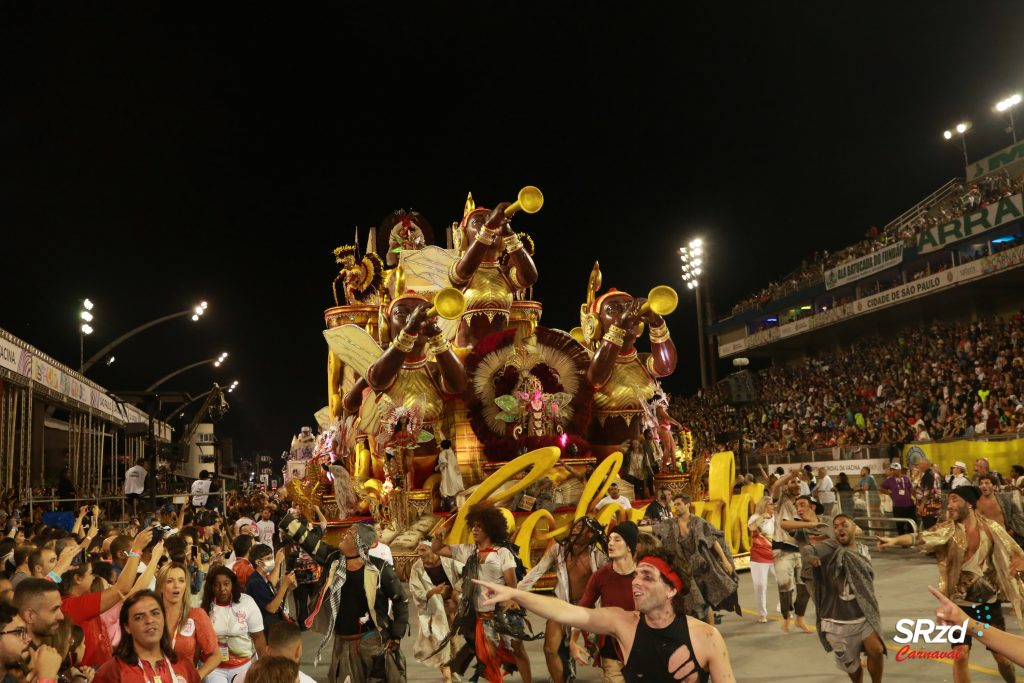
(692, 256)
(961, 132)
(217, 361)
(196, 312)
(85, 315)
(1007, 105)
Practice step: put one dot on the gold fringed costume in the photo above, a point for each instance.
(489, 291)
(627, 392)
(948, 542)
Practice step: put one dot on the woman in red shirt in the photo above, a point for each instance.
(144, 654)
(189, 628)
(83, 606)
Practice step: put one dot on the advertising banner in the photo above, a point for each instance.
(869, 264)
(25, 361)
(994, 162)
(974, 223)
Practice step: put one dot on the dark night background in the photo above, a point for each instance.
(153, 156)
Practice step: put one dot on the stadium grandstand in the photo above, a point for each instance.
(914, 335)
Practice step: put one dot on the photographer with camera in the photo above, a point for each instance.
(366, 634)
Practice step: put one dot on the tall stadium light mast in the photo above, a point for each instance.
(1007, 106)
(961, 132)
(85, 316)
(694, 260)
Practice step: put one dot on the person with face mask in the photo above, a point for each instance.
(268, 585)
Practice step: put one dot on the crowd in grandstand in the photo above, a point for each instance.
(966, 198)
(949, 379)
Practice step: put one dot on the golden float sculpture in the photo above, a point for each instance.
(514, 362)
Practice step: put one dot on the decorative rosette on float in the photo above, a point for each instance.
(531, 393)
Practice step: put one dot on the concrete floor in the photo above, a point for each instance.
(761, 652)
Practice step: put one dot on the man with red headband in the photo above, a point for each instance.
(488, 281)
(658, 641)
(624, 382)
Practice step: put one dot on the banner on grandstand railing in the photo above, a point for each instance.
(851, 467)
(1001, 455)
(995, 162)
(1004, 260)
(730, 348)
(984, 219)
(855, 269)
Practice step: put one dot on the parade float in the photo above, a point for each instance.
(444, 391)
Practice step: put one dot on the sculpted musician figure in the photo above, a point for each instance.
(488, 284)
(624, 380)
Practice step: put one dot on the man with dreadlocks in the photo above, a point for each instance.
(576, 557)
(488, 558)
(367, 609)
(844, 598)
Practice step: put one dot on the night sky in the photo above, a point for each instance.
(154, 156)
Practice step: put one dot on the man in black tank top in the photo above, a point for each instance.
(658, 641)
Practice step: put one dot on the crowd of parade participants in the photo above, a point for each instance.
(195, 592)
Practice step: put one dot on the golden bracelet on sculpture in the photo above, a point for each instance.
(486, 236)
(659, 334)
(405, 342)
(615, 335)
(512, 243)
(437, 345)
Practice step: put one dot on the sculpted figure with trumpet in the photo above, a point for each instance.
(490, 285)
(624, 380)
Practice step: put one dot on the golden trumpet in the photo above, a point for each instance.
(530, 200)
(449, 303)
(661, 299)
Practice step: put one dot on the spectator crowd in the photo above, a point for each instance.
(180, 594)
(944, 380)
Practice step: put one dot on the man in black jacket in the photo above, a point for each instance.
(353, 607)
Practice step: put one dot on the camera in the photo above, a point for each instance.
(304, 576)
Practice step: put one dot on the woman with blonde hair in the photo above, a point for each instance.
(762, 526)
(189, 628)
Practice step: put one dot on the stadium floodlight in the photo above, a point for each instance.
(693, 261)
(1007, 106)
(961, 132)
(86, 316)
